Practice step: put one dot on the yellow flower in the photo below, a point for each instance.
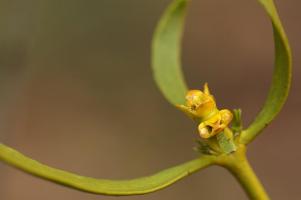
(201, 106)
(215, 124)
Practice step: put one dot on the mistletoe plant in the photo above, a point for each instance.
(219, 143)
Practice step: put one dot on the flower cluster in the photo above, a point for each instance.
(201, 106)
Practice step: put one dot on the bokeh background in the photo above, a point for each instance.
(77, 94)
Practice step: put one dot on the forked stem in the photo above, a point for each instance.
(239, 166)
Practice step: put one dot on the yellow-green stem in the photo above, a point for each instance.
(239, 166)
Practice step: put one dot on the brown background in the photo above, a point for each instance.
(77, 93)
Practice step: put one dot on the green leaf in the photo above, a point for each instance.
(204, 148)
(225, 141)
(281, 78)
(103, 186)
(237, 122)
(166, 51)
(168, 75)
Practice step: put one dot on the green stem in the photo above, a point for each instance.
(239, 166)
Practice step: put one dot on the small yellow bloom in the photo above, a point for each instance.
(215, 124)
(201, 107)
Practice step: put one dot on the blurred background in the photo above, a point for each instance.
(77, 94)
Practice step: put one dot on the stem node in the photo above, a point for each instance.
(238, 165)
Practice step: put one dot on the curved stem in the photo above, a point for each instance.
(241, 169)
